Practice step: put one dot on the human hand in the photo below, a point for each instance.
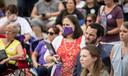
(36, 65)
(4, 61)
(48, 15)
(56, 58)
(49, 64)
(43, 16)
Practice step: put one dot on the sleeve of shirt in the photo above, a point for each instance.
(120, 13)
(38, 48)
(100, 10)
(25, 27)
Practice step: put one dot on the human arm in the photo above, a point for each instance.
(35, 54)
(116, 30)
(55, 14)
(20, 54)
(26, 30)
(34, 59)
(34, 13)
(119, 21)
(27, 37)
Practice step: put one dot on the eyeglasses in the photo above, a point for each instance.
(50, 33)
(89, 20)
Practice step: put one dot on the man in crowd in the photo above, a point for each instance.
(93, 35)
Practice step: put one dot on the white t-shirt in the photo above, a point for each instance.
(25, 26)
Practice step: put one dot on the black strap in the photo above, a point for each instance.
(9, 44)
(50, 48)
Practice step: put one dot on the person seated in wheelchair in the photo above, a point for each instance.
(43, 67)
(12, 47)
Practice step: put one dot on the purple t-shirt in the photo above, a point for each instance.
(111, 23)
(41, 50)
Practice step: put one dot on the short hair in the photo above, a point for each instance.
(93, 16)
(37, 24)
(125, 24)
(12, 9)
(74, 1)
(14, 27)
(99, 28)
(55, 29)
(78, 31)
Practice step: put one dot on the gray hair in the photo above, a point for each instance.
(15, 27)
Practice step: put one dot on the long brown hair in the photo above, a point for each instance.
(78, 31)
(97, 67)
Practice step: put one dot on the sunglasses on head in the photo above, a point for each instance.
(50, 33)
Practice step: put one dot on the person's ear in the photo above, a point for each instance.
(98, 39)
(94, 59)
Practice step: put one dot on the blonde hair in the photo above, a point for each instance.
(14, 27)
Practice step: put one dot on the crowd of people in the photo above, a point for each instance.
(66, 37)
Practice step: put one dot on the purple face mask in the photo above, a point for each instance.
(68, 31)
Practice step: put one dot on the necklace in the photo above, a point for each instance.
(70, 47)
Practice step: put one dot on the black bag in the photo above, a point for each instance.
(3, 54)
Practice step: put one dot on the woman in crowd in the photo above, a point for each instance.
(91, 18)
(91, 7)
(119, 53)
(11, 46)
(91, 62)
(70, 10)
(110, 16)
(68, 45)
(41, 51)
(38, 32)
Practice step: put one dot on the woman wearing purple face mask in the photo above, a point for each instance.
(68, 45)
